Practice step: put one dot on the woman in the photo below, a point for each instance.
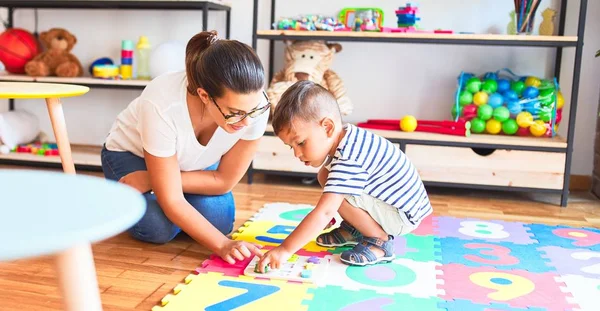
(188, 139)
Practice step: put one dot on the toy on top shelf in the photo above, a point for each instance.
(410, 124)
(509, 104)
(310, 23)
(362, 19)
(37, 148)
(407, 21)
(547, 25)
(525, 15)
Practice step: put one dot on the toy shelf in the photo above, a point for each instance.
(114, 4)
(437, 38)
(86, 81)
(84, 156)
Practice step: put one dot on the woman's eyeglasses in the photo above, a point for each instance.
(239, 117)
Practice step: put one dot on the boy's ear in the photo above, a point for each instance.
(329, 126)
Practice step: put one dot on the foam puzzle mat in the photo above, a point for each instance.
(448, 263)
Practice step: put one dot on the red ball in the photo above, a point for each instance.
(558, 116)
(523, 131)
(17, 47)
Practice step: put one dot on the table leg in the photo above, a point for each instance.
(77, 278)
(57, 118)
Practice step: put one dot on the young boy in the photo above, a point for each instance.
(365, 178)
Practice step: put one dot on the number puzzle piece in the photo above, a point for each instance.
(573, 261)
(215, 291)
(337, 298)
(418, 279)
(584, 290)
(216, 264)
(502, 256)
(567, 237)
(465, 305)
(516, 288)
(272, 234)
(425, 227)
(485, 230)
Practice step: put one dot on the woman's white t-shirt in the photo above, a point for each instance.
(158, 121)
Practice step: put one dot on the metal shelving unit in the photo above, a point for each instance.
(558, 145)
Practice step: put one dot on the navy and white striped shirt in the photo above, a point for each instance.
(368, 163)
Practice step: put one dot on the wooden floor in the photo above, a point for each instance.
(134, 276)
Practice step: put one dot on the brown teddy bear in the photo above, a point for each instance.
(310, 60)
(57, 59)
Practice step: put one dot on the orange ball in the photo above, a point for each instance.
(408, 123)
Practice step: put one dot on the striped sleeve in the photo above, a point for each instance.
(346, 177)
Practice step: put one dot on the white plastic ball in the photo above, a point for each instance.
(167, 57)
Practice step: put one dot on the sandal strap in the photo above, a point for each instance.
(358, 254)
(379, 243)
(334, 235)
(348, 227)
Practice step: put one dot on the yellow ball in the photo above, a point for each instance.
(537, 128)
(493, 126)
(480, 98)
(555, 128)
(560, 100)
(524, 119)
(408, 123)
(533, 81)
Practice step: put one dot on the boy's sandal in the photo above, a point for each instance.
(334, 238)
(361, 254)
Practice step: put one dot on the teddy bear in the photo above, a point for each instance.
(57, 60)
(309, 60)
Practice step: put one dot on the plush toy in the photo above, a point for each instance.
(310, 60)
(57, 60)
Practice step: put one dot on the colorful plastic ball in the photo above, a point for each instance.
(518, 87)
(501, 114)
(560, 100)
(493, 126)
(489, 86)
(503, 85)
(480, 98)
(545, 115)
(495, 100)
(509, 127)
(524, 119)
(484, 112)
(537, 128)
(465, 98)
(477, 125)
(558, 116)
(530, 92)
(510, 95)
(456, 111)
(470, 109)
(523, 131)
(408, 123)
(514, 107)
(546, 92)
(533, 81)
(474, 85)
(490, 75)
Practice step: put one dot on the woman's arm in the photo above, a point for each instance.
(232, 168)
(165, 179)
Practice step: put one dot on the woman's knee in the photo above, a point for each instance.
(154, 227)
(219, 210)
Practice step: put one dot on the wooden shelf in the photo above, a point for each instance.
(86, 81)
(84, 155)
(466, 39)
(557, 144)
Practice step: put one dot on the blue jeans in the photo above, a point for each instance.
(154, 226)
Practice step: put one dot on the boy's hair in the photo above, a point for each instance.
(307, 101)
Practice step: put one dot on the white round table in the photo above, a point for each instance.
(55, 213)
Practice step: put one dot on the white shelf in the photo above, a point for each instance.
(82, 155)
(87, 81)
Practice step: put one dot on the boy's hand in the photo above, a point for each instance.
(139, 180)
(273, 258)
(239, 250)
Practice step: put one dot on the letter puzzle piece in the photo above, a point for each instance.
(271, 233)
(578, 261)
(485, 230)
(516, 288)
(337, 298)
(215, 291)
(567, 237)
(418, 279)
(216, 264)
(298, 268)
(503, 256)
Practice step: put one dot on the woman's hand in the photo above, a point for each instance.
(239, 250)
(139, 180)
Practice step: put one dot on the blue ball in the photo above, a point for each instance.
(503, 86)
(510, 95)
(514, 107)
(531, 92)
(490, 75)
(495, 100)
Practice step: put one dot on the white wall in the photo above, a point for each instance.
(398, 79)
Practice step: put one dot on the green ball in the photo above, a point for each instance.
(546, 92)
(510, 127)
(490, 86)
(477, 125)
(454, 112)
(546, 84)
(518, 87)
(484, 112)
(545, 114)
(474, 85)
(465, 98)
(501, 113)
